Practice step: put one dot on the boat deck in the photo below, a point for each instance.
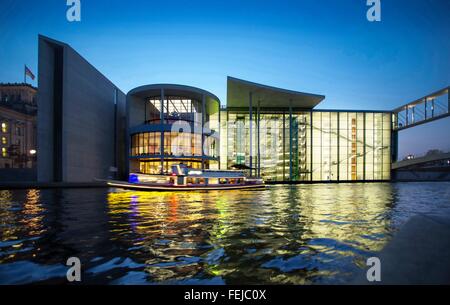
(172, 188)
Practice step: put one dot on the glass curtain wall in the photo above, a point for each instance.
(301, 146)
(334, 146)
(175, 109)
(274, 156)
(325, 146)
(175, 144)
(223, 140)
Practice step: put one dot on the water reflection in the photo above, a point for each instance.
(287, 234)
(27, 217)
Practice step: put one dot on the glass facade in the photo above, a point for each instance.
(179, 144)
(173, 128)
(309, 146)
(181, 125)
(175, 109)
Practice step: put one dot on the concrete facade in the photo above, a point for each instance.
(81, 115)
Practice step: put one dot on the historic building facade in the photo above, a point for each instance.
(18, 110)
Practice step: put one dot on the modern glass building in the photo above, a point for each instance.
(273, 133)
(172, 124)
(277, 135)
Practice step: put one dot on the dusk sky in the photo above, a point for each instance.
(324, 47)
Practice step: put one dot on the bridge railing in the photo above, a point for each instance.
(429, 108)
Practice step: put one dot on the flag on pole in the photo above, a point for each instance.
(28, 73)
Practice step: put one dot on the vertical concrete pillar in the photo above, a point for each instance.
(203, 127)
(290, 140)
(258, 124)
(162, 130)
(311, 149)
(284, 145)
(364, 146)
(219, 144)
(250, 109)
(338, 145)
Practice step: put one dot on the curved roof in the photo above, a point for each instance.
(238, 91)
(172, 89)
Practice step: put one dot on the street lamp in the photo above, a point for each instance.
(32, 152)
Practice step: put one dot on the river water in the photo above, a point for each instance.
(303, 234)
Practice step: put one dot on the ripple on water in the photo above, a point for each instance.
(300, 234)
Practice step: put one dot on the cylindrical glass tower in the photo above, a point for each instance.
(172, 124)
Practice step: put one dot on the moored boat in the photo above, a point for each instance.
(183, 178)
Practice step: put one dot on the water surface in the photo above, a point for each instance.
(318, 233)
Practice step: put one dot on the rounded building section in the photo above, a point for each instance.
(172, 124)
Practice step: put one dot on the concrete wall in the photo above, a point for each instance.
(83, 135)
(121, 136)
(45, 124)
(421, 175)
(135, 108)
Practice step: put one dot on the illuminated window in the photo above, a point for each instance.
(4, 127)
(175, 144)
(4, 152)
(4, 140)
(317, 146)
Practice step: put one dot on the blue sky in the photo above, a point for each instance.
(318, 46)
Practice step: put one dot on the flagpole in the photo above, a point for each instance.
(25, 74)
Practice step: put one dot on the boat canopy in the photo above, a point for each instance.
(183, 170)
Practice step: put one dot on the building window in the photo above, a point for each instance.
(317, 146)
(153, 167)
(175, 144)
(4, 140)
(4, 127)
(4, 152)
